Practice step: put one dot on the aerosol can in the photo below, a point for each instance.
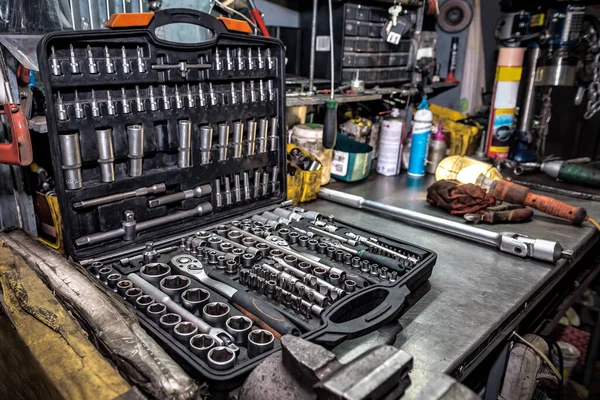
(391, 138)
(437, 150)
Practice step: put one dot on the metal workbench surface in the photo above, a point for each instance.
(477, 295)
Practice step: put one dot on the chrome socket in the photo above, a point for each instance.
(231, 267)
(271, 287)
(174, 285)
(356, 262)
(349, 286)
(249, 242)
(70, 151)
(322, 248)
(106, 154)
(260, 341)
(239, 327)
(184, 331)
(113, 279)
(95, 267)
(155, 311)
(135, 143)
(221, 358)
(194, 299)
(155, 272)
(334, 279)
(383, 273)
(123, 286)
(305, 267)
(169, 321)
(291, 260)
(312, 244)
(216, 314)
(303, 241)
(235, 236)
(284, 233)
(276, 253)
(184, 132)
(201, 344)
(339, 255)
(347, 259)
(143, 301)
(104, 272)
(374, 270)
(226, 247)
(293, 237)
(132, 294)
(320, 273)
(330, 252)
(222, 229)
(247, 260)
(214, 242)
(364, 266)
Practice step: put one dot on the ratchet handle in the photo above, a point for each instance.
(517, 194)
(263, 314)
(382, 261)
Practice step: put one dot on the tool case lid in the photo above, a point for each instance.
(160, 164)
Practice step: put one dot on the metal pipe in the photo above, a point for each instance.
(527, 109)
(313, 40)
(507, 242)
(331, 52)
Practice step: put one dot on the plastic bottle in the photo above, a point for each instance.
(437, 150)
(420, 140)
(390, 144)
(310, 138)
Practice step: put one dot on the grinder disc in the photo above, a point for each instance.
(455, 15)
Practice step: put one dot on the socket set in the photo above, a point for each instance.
(235, 287)
(170, 166)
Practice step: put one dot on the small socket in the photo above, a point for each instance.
(169, 321)
(349, 286)
(194, 299)
(221, 358)
(123, 286)
(155, 311)
(201, 344)
(113, 279)
(239, 327)
(104, 272)
(260, 341)
(132, 294)
(305, 267)
(143, 302)
(216, 314)
(334, 279)
(184, 331)
(95, 267)
(320, 272)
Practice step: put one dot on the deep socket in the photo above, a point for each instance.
(251, 138)
(221, 358)
(260, 341)
(218, 198)
(201, 344)
(135, 144)
(123, 286)
(216, 314)
(349, 286)
(284, 233)
(169, 321)
(383, 273)
(223, 141)
(155, 311)
(228, 191)
(184, 331)
(257, 176)
(239, 327)
(237, 188)
(330, 252)
(238, 132)
(194, 299)
(113, 279)
(263, 126)
(155, 272)
(104, 272)
(174, 285)
(246, 186)
(273, 134)
(184, 133)
(132, 294)
(347, 259)
(71, 160)
(106, 155)
(339, 255)
(205, 144)
(142, 302)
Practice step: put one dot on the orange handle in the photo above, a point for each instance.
(19, 150)
(551, 206)
(517, 194)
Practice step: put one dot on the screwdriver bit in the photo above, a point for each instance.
(218, 64)
(79, 112)
(63, 114)
(178, 99)
(165, 97)
(73, 63)
(125, 102)
(125, 62)
(92, 66)
(190, 97)
(233, 95)
(110, 104)
(140, 60)
(55, 65)
(270, 61)
(94, 105)
(108, 62)
(244, 97)
(153, 101)
(250, 60)
(252, 92)
(139, 103)
(240, 57)
(229, 60)
(261, 61)
(201, 96)
(261, 91)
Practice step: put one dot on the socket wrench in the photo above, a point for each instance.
(220, 335)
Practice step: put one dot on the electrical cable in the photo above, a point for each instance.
(231, 10)
(539, 353)
(561, 368)
(593, 222)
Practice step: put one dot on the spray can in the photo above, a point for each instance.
(420, 140)
(390, 144)
(437, 150)
(504, 102)
(451, 77)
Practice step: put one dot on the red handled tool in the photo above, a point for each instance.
(258, 19)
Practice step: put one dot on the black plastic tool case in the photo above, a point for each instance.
(258, 63)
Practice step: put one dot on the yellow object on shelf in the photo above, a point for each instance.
(464, 139)
(303, 185)
(465, 170)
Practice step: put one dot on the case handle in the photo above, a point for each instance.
(185, 16)
(342, 322)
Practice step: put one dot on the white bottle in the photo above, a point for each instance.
(391, 137)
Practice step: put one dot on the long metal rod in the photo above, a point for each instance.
(331, 53)
(528, 103)
(507, 242)
(313, 39)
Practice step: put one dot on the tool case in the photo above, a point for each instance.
(170, 169)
